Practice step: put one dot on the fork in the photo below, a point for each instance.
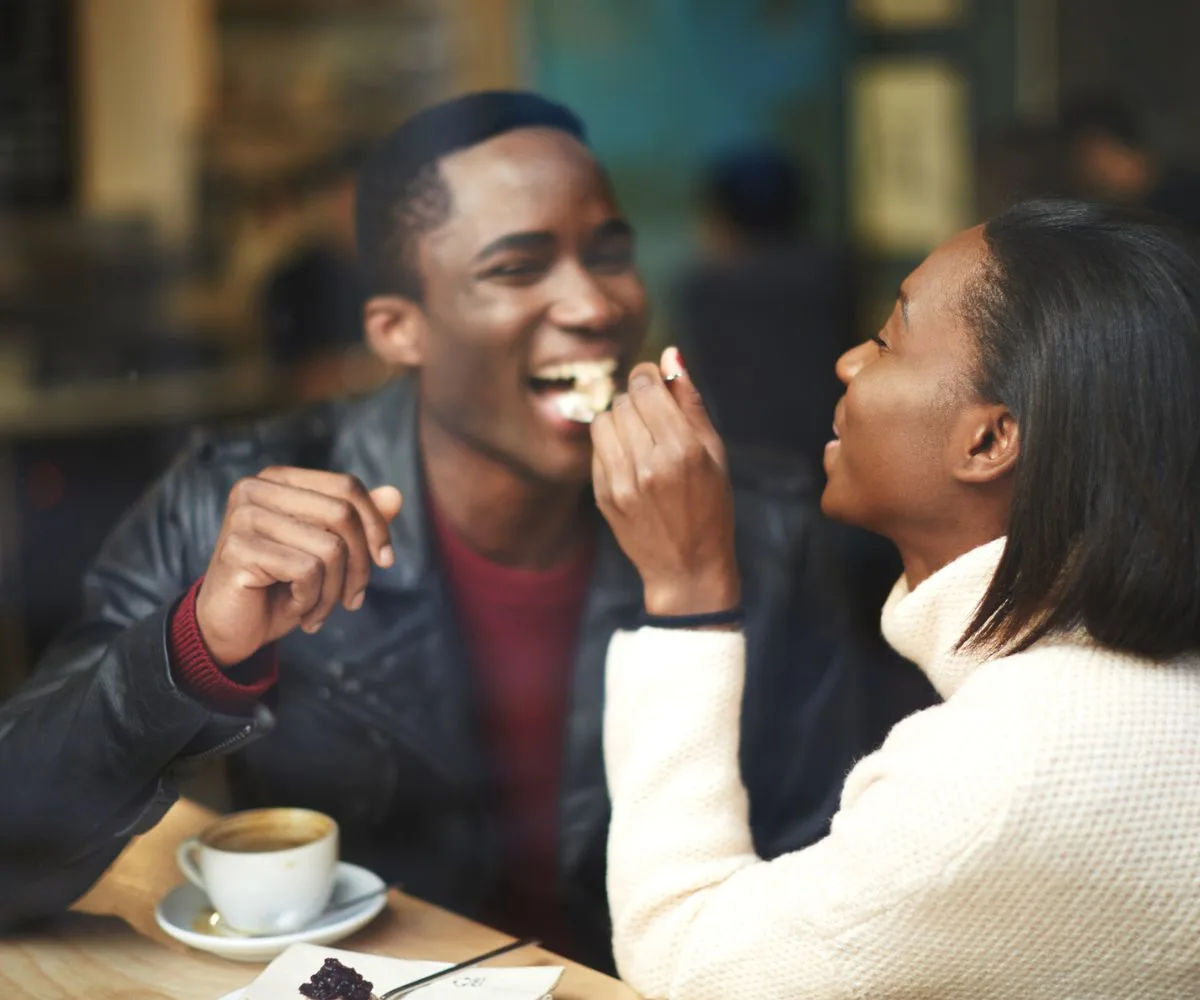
(406, 988)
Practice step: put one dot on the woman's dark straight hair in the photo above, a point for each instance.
(1088, 322)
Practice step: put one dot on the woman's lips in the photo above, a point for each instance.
(834, 446)
(830, 455)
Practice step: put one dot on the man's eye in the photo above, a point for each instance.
(523, 269)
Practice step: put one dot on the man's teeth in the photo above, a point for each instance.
(591, 391)
(577, 371)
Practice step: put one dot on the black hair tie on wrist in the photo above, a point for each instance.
(730, 616)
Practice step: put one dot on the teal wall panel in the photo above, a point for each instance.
(663, 84)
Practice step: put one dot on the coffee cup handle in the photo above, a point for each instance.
(185, 857)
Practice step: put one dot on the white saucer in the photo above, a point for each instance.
(184, 909)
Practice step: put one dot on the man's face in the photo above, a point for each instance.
(533, 270)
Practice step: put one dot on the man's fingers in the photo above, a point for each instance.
(347, 568)
(333, 514)
(264, 562)
(347, 489)
(387, 500)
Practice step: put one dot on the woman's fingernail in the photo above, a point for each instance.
(386, 556)
(639, 381)
(313, 628)
(681, 367)
(356, 601)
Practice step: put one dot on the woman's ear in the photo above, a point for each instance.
(397, 330)
(991, 443)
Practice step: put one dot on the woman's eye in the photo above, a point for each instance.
(880, 342)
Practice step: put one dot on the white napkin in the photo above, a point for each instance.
(281, 979)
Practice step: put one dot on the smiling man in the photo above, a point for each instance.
(396, 610)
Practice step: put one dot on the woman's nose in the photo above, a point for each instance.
(853, 361)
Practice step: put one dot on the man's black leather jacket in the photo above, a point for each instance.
(372, 720)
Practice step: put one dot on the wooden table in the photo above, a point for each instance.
(82, 955)
(86, 954)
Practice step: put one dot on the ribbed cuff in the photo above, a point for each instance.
(197, 673)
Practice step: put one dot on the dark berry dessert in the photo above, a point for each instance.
(334, 981)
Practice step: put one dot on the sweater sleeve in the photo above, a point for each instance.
(697, 915)
(195, 671)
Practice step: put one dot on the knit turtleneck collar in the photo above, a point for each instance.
(925, 624)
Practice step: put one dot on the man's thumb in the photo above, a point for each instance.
(387, 500)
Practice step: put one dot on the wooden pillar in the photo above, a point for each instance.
(146, 70)
(485, 38)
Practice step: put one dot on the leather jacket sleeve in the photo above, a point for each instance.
(796, 760)
(802, 726)
(92, 744)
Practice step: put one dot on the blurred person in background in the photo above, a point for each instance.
(312, 302)
(766, 310)
(1018, 161)
(1110, 159)
(448, 714)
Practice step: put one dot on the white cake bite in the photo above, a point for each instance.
(579, 390)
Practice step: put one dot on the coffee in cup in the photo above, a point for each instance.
(266, 871)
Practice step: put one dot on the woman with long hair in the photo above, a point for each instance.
(1026, 429)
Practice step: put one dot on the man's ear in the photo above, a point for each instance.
(397, 330)
(988, 445)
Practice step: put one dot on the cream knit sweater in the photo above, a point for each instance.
(1035, 836)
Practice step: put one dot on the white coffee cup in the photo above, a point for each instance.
(266, 871)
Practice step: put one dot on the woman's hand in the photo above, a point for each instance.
(659, 472)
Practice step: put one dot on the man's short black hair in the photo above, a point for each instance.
(1106, 115)
(401, 193)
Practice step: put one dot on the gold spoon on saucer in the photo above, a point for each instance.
(209, 921)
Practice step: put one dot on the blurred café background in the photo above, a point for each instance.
(175, 247)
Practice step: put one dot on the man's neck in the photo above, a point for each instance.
(496, 511)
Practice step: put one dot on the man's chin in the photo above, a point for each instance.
(558, 464)
(533, 454)
(573, 472)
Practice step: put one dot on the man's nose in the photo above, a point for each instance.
(581, 303)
